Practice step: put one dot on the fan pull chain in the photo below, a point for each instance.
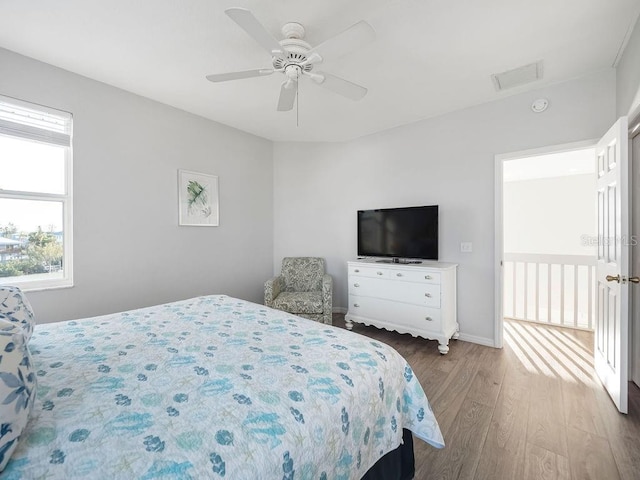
(297, 104)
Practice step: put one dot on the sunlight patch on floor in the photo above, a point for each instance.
(550, 352)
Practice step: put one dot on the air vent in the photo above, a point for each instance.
(517, 76)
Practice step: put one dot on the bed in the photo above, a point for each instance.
(215, 387)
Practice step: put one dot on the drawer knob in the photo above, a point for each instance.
(399, 274)
(427, 277)
(357, 271)
(428, 295)
(428, 319)
(356, 305)
(379, 273)
(356, 284)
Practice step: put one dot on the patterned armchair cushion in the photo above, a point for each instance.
(17, 387)
(303, 274)
(299, 302)
(272, 289)
(15, 308)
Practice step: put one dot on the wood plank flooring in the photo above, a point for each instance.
(534, 409)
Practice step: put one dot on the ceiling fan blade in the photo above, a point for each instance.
(344, 42)
(224, 77)
(287, 95)
(250, 24)
(339, 85)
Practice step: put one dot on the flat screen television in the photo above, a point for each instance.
(399, 233)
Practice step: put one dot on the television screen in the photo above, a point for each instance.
(410, 232)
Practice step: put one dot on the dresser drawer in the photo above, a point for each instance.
(369, 271)
(415, 276)
(406, 292)
(391, 312)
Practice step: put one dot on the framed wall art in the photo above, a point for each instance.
(197, 199)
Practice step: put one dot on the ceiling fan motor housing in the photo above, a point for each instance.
(295, 48)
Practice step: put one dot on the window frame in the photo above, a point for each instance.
(66, 198)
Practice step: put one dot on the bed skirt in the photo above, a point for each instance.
(398, 464)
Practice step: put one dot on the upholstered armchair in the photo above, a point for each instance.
(302, 288)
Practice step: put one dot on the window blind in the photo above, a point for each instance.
(44, 125)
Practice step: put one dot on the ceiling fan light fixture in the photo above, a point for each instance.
(292, 71)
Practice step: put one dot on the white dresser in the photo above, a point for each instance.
(419, 299)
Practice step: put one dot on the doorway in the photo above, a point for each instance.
(549, 238)
(616, 322)
(546, 236)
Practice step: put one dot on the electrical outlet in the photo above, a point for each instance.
(466, 247)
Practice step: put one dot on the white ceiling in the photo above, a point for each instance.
(430, 56)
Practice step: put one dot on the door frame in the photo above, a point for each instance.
(499, 225)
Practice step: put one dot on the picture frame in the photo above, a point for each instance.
(198, 199)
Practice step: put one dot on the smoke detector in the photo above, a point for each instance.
(540, 105)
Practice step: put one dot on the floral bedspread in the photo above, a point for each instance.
(214, 387)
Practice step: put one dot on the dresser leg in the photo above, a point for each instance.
(455, 336)
(443, 348)
(349, 324)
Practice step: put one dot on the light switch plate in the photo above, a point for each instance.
(466, 247)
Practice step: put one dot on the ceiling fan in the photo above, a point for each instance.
(295, 58)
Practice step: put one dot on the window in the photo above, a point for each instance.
(35, 196)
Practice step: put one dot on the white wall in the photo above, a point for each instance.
(128, 249)
(550, 215)
(448, 161)
(628, 76)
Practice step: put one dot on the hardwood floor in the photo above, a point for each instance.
(534, 409)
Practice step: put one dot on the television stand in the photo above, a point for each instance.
(401, 261)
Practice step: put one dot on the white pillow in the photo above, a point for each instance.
(17, 387)
(14, 307)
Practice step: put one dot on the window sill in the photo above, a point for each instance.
(34, 285)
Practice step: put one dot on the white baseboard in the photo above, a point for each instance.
(339, 310)
(487, 342)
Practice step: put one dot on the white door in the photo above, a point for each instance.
(612, 270)
(634, 318)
